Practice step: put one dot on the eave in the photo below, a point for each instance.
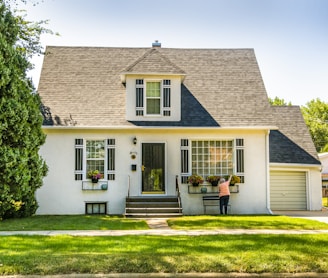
(231, 128)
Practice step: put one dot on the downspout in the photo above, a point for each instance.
(267, 162)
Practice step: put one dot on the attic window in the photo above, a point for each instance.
(153, 97)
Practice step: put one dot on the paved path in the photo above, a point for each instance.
(162, 232)
(317, 215)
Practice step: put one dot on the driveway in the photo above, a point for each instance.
(319, 215)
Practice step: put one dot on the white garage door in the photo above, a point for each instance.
(288, 190)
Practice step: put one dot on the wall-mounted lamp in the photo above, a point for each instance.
(135, 141)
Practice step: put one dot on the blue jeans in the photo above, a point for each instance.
(224, 201)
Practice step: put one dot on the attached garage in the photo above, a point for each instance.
(288, 190)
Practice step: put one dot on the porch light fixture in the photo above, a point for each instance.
(135, 141)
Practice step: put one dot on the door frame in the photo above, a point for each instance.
(165, 166)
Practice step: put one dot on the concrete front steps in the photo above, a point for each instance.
(152, 207)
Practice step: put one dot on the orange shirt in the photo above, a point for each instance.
(224, 189)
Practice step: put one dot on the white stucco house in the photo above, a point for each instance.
(148, 118)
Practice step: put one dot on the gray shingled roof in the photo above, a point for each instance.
(82, 86)
(292, 143)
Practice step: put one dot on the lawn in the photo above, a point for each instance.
(106, 222)
(72, 222)
(46, 255)
(245, 222)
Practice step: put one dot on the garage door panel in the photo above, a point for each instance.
(288, 190)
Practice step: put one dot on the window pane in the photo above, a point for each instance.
(95, 165)
(212, 157)
(95, 150)
(153, 89)
(153, 106)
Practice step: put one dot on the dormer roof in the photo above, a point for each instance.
(152, 63)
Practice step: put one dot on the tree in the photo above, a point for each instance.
(21, 167)
(279, 102)
(315, 114)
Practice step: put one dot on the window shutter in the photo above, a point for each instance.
(111, 159)
(78, 159)
(139, 97)
(240, 169)
(167, 97)
(184, 160)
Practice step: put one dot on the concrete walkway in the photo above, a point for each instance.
(317, 215)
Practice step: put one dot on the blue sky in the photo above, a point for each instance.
(290, 37)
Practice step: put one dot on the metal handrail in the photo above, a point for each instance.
(129, 183)
(178, 191)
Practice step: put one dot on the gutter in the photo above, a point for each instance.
(267, 162)
(45, 127)
(295, 165)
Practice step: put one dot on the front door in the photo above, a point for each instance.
(153, 168)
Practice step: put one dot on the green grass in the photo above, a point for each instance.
(72, 222)
(245, 222)
(105, 222)
(46, 255)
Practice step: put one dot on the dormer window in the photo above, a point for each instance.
(153, 97)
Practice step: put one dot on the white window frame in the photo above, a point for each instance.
(160, 97)
(86, 159)
(203, 166)
(81, 158)
(165, 109)
(238, 158)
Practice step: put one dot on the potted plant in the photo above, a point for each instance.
(195, 180)
(94, 175)
(234, 179)
(214, 180)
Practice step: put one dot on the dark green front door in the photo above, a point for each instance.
(153, 168)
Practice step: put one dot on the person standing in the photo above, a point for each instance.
(224, 194)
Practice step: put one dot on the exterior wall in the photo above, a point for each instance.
(251, 198)
(61, 194)
(131, 98)
(313, 182)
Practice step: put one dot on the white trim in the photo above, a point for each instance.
(267, 172)
(123, 75)
(293, 166)
(158, 127)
